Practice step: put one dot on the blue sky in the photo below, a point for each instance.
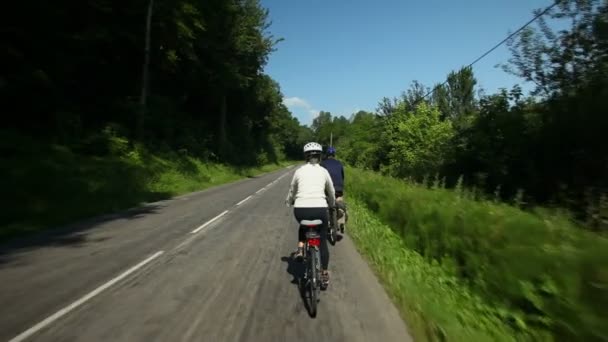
(342, 56)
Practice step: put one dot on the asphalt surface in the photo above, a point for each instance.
(166, 273)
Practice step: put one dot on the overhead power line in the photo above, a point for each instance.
(540, 14)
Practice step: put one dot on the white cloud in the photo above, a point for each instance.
(296, 102)
(301, 108)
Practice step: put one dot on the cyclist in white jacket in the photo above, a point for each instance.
(310, 193)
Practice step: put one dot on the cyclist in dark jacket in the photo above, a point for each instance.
(336, 172)
(335, 169)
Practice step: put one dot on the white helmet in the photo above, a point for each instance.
(313, 147)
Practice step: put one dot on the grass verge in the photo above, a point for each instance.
(535, 273)
(435, 305)
(50, 186)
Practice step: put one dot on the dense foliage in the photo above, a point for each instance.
(546, 148)
(538, 272)
(110, 103)
(75, 71)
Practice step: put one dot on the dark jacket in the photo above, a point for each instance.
(336, 171)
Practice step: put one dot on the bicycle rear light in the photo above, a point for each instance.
(316, 242)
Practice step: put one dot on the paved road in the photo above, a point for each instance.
(164, 273)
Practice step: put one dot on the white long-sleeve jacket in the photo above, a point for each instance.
(311, 187)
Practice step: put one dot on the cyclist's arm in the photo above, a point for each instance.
(329, 190)
(293, 189)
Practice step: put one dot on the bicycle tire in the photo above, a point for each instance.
(313, 281)
(332, 236)
(333, 231)
(318, 274)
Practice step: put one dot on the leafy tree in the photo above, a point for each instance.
(456, 99)
(387, 106)
(569, 68)
(322, 127)
(360, 145)
(414, 95)
(561, 62)
(418, 141)
(205, 82)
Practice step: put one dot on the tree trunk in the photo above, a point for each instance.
(145, 76)
(222, 134)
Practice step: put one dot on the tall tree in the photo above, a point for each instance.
(145, 73)
(418, 142)
(414, 95)
(201, 79)
(322, 127)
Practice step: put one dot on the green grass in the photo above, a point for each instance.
(50, 186)
(536, 274)
(435, 305)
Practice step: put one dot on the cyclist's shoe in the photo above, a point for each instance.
(299, 254)
(324, 279)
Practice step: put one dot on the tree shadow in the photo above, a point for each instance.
(72, 235)
(58, 195)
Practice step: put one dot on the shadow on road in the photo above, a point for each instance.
(294, 268)
(73, 235)
(297, 269)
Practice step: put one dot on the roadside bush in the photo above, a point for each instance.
(51, 185)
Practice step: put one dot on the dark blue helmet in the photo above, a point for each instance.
(331, 151)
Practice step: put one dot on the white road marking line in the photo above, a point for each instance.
(209, 222)
(262, 189)
(185, 242)
(243, 201)
(31, 331)
(276, 180)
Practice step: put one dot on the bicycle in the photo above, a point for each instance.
(312, 259)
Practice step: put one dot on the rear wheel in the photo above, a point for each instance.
(334, 235)
(319, 285)
(313, 279)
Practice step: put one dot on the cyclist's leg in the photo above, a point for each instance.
(324, 248)
(340, 207)
(324, 251)
(340, 199)
(300, 214)
(330, 214)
